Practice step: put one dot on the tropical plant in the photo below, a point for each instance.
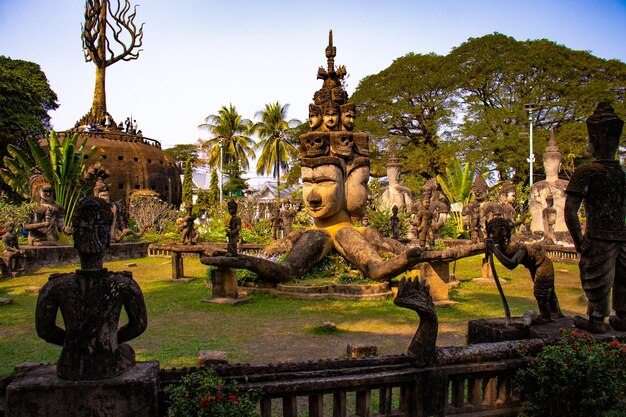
(230, 137)
(578, 376)
(204, 394)
(276, 134)
(18, 214)
(456, 186)
(62, 163)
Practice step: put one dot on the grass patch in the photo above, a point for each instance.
(269, 329)
(324, 330)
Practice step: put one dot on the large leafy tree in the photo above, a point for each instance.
(410, 102)
(498, 76)
(25, 100)
(109, 35)
(183, 152)
(230, 137)
(277, 139)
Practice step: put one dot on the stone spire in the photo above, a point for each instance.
(552, 159)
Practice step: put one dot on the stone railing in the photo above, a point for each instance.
(467, 381)
(163, 252)
(116, 135)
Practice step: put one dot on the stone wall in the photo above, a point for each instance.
(38, 256)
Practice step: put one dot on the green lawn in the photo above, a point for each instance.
(269, 329)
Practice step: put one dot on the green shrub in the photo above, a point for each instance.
(381, 221)
(577, 377)
(204, 394)
(332, 265)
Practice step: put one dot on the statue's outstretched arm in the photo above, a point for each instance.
(312, 246)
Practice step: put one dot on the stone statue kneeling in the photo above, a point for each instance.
(90, 301)
(533, 258)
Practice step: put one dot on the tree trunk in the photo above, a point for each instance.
(277, 173)
(99, 105)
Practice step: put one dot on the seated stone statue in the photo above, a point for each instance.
(533, 257)
(13, 257)
(90, 301)
(48, 217)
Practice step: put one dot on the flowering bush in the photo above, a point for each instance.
(204, 394)
(578, 376)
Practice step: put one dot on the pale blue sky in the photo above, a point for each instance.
(199, 55)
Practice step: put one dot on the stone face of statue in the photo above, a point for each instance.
(331, 117)
(357, 191)
(315, 120)
(323, 190)
(347, 120)
(46, 195)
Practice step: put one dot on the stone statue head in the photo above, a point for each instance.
(46, 194)
(479, 188)
(101, 190)
(323, 187)
(348, 114)
(9, 226)
(499, 229)
(330, 115)
(394, 210)
(92, 222)
(507, 193)
(232, 207)
(605, 129)
(357, 190)
(315, 116)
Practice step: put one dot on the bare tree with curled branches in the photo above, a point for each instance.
(106, 30)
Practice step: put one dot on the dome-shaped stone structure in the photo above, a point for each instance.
(134, 163)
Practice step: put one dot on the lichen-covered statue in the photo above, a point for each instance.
(431, 215)
(473, 213)
(335, 173)
(189, 234)
(13, 257)
(601, 186)
(533, 257)
(90, 301)
(48, 217)
(234, 227)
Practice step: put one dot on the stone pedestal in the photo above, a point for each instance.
(437, 276)
(40, 393)
(225, 287)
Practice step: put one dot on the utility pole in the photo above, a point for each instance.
(530, 108)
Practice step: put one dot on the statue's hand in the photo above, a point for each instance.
(67, 230)
(414, 252)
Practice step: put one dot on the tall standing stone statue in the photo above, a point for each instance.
(552, 186)
(90, 301)
(234, 227)
(601, 186)
(473, 213)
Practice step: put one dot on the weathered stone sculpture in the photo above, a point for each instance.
(473, 213)
(189, 235)
(549, 215)
(48, 217)
(396, 194)
(90, 301)
(277, 222)
(431, 215)
(551, 186)
(335, 173)
(415, 296)
(532, 257)
(234, 227)
(288, 214)
(395, 223)
(601, 185)
(13, 257)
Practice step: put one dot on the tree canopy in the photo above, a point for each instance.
(471, 104)
(25, 100)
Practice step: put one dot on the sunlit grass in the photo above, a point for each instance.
(269, 329)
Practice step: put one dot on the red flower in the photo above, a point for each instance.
(615, 343)
(219, 397)
(205, 401)
(232, 398)
(575, 334)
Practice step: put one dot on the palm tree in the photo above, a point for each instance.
(276, 134)
(230, 141)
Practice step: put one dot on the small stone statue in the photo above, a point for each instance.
(48, 217)
(601, 185)
(234, 227)
(189, 235)
(395, 223)
(13, 257)
(91, 300)
(277, 222)
(533, 258)
(473, 216)
(548, 215)
(423, 220)
(288, 214)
